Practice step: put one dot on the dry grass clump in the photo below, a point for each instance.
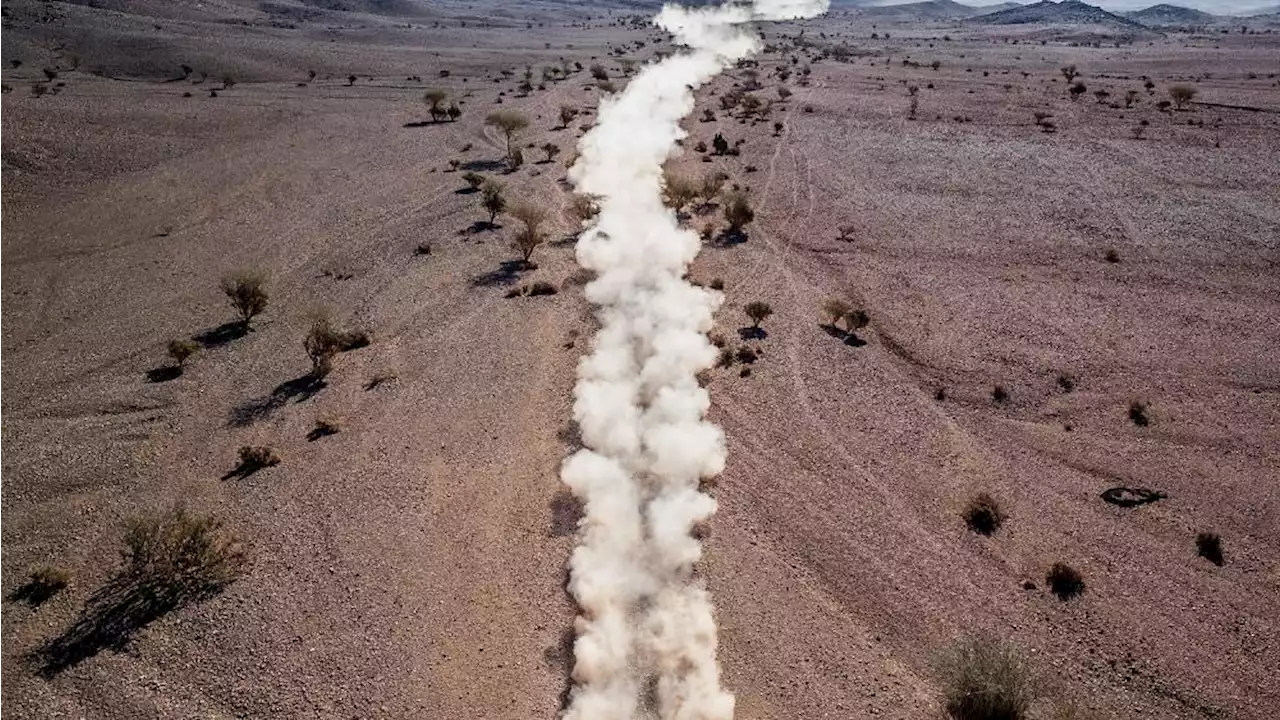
(43, 584)
(984, 678)
(181, 350)
(984, 515)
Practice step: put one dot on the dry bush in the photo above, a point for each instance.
(1070, 72)
(856, 319)
(984, 678)
(473, 179)
(567, 114)
(181, 350)
(737, 211)
(434, 100)
(836, 308)
(679, 191)
(983, 514)
(530, 236)
(180, 555)
(1139, 413)
(533, 289)
(1181, 95)
(246, 289)
(1064, 581)
(42, 585)
(758, 311)
(726, 358)
(551, 150)
(999, 394)
(492, 199)
(326, 425)
(712, 184)
(256, 457)
(583, 208)
(1209, 547)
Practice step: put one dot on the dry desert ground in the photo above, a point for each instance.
(1056, 308)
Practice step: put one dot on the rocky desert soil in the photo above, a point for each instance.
(413, 564)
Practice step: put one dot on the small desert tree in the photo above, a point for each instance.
(1181, 95)
(551, 149)
(473, 179)
(454, 112)
(1070, 72)
(181, 350)
(492, 199)
(758, 311)
(567, 114)
(509, 123)
(737, 211)
(322, 343)
(246, 289)
(530, 235)
(435, 103)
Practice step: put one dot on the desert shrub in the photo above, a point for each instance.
(326, 425)
(1181, 95)
(181, 350)
(454, 164)
(567, 114)
(454, 112)
(856, 319)
(322, 343)
(583, 208)
(726, 358)
(256, 457)
(777, 129)
(551, 150)
(1066, 383)
(717, 284)
(1163, 105)
(246, 289)
(720, 144)
(1070, 72)
(509, 123)
(1077, 90)
(984, 678)
(598, 72)
(708, 115)
(747, 355)
(999, 394)
(808, 109)
(515, 159)
(758, 311)
(1138, 413)
(435, 103)
(351, 80)
(983, 514)
(180, 556)
(473, 179)
(737, 211)
(679, 191)
(784, 93)
(423, 248)
(1209, 547)
(1064, 581)
(530, 235)
(41, 585)
(712, 184)
(492, 198)
(836, 308)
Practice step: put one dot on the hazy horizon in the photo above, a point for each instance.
(1219, 7)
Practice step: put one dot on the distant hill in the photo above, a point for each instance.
(1067, 12)
(1175, 15)
(927, 10)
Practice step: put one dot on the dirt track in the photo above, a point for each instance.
(412, 565)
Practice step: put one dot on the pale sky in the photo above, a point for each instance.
(1220, 7)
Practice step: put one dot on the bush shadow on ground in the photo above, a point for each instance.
(298, 389)
(848, 338)
(506, 273)
(164, 373)
(223, 334)
(112, 617)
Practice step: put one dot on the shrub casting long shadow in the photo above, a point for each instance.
(298, 389)
(198, 566)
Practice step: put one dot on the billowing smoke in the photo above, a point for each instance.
(646, 642)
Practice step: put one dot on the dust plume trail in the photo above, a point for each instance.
(646, 642)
